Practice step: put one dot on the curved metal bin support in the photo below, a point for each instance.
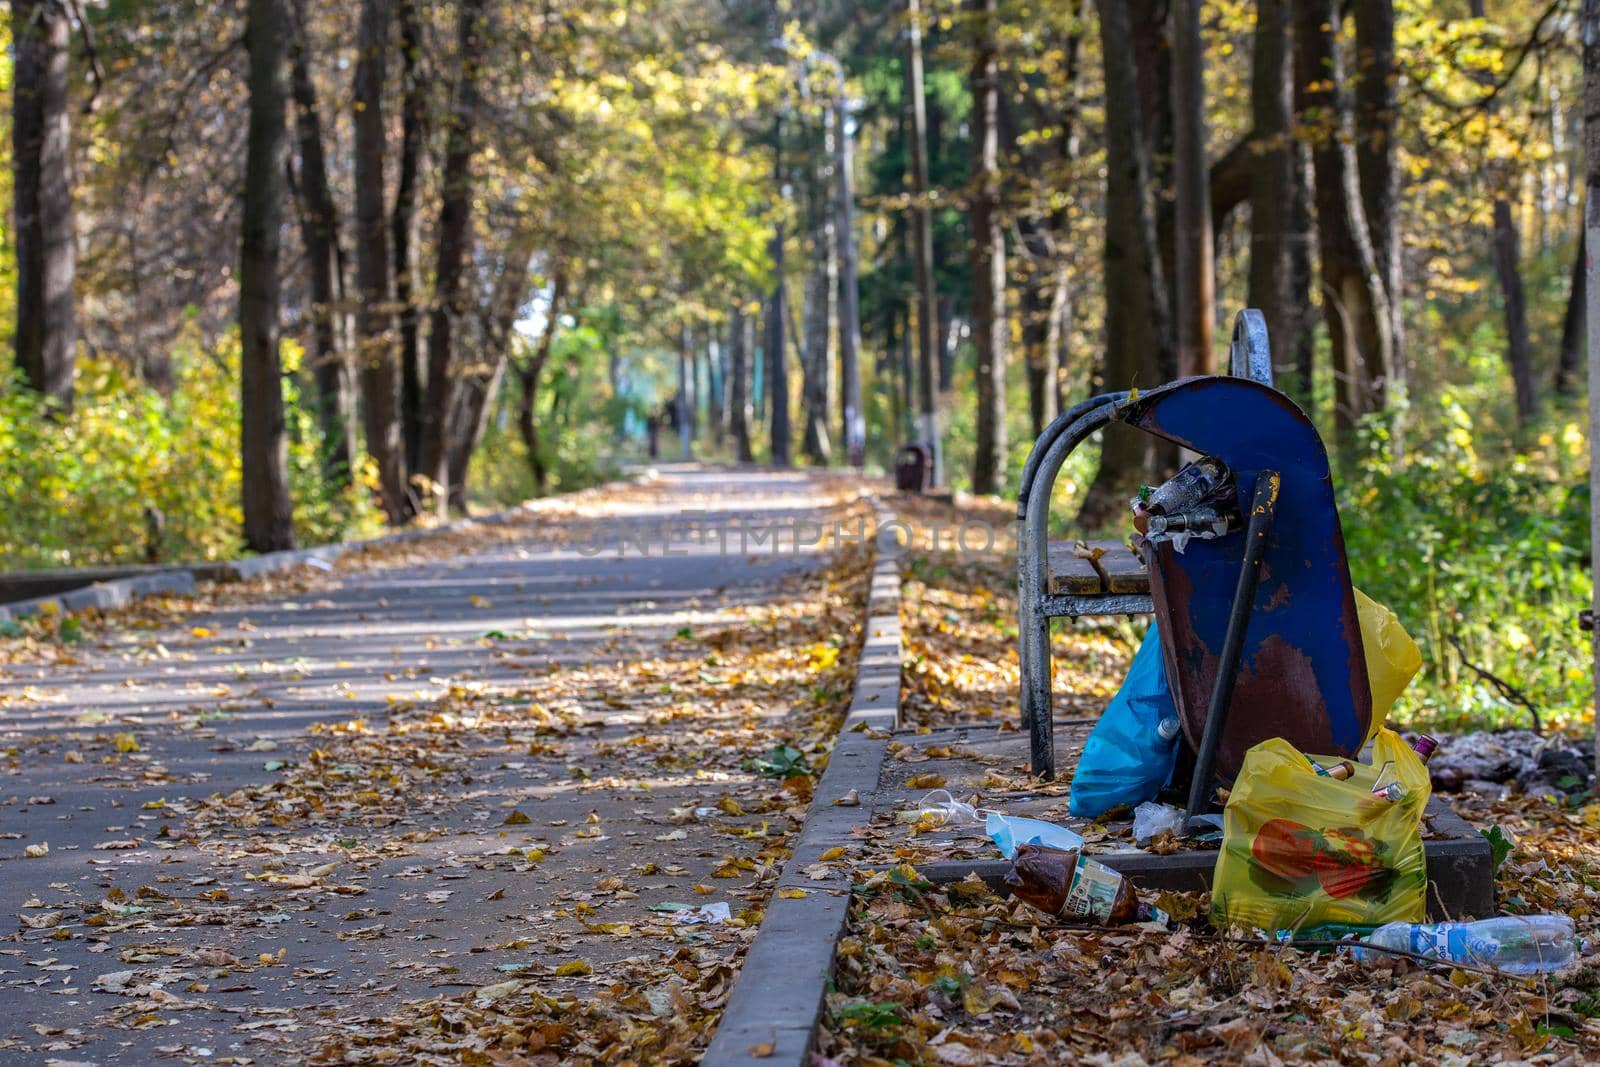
(1250, 351)
(1057, 426)
(1033, 648)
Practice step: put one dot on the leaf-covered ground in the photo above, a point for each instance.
(955, 975)
(456, 800)
(959, 612)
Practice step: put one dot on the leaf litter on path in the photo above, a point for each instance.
(539, 775)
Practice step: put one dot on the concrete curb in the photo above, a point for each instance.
(777, 999)
(185, 579)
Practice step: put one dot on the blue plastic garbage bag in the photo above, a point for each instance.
(1127, 761)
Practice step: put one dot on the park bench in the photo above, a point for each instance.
(1258, 623)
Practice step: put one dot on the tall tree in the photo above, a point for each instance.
(481, 385)
(319, 232)
(1272, 177)
(1039, 364)
(926, 313)
(264, 442)
(1195, 278)
(530, 369)
(1151, 23)
(990, 326)
(454, 239)
(1135, 298)
(854, 428)
(376, 357)
(402, 225)
(47, 331)
(1514, 302)
(716, 386)
(777, 314)
(683, 402)
(741, 346)
(1354, 303)
(1046, 227)
(1571, 357)
(1376, 108)
(777, 370)
(1506, 245)
(821, 311)
(1589, 32)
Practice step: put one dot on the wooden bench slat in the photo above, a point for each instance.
(1074, 576)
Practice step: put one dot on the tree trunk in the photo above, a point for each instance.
(908, 373)
(922, 246)
(1193, 250)
(1507, 251)
(1353, 299)
(1566, 380)
(1375, 110)
(379, 383)
(319, 232)
(478, 391)
(1589, 34)
(853, 429)
(455, 235)
(684, 405)
(716, 388)
(1230, 176)
(741, 345)
(1136, 311)
(1302, 237)
(777, 361)
(47, 332)
(402, 226)
(264, 442)
(1519, 352)
(1059, 333)
(820, 316)
(1152, 62)
(1272, 180)
(989, 325)
(949, 332)
(529, 372)
(1039, 355)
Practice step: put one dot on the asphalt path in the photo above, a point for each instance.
(420, 772)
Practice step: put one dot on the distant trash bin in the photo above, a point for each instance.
(913, 468)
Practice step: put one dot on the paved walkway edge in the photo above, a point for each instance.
(772, 1014)
(185, 579)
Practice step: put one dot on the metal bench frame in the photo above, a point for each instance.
(1249, 357)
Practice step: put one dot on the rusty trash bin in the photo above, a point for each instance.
(913, 468)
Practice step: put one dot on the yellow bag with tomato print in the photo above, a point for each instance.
(1300, 849)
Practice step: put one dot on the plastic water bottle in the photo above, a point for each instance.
(1516, 944)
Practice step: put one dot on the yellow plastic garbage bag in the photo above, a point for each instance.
(1299, 848)
(1393, 659)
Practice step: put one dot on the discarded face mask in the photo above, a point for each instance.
(1009, 831)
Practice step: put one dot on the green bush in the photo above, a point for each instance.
(74, 487)
(1487, 546)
